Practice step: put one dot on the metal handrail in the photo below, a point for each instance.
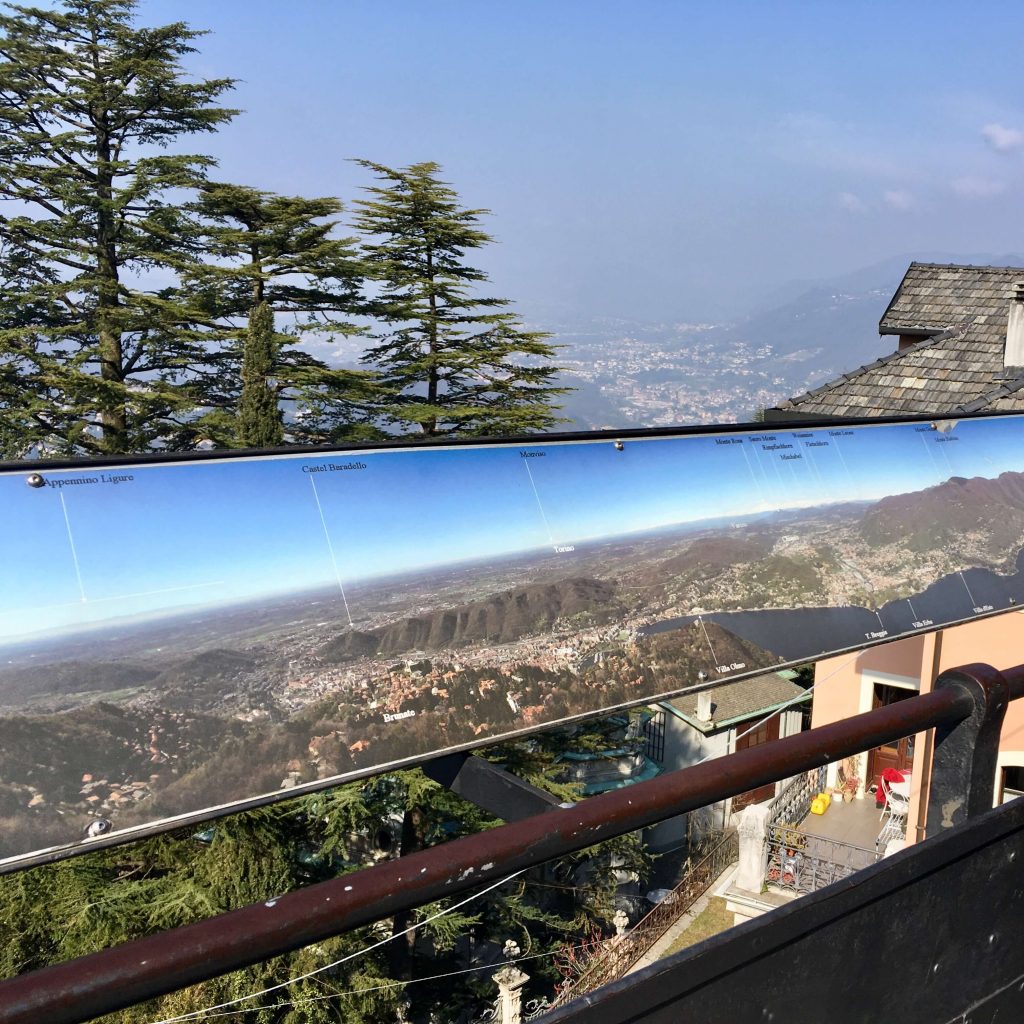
(80, 989)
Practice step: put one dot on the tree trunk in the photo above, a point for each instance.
(430, 426)
(113, 414)
(402, 947)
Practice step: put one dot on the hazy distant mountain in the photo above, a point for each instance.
(886, 274)
(825, 328)
(630, 373)
(832, 324)
(73, 676)
(716, 552)
(635, 372)
(991, 510)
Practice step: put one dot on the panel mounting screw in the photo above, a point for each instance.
(96, 828)
(35, 480)
(619, 446)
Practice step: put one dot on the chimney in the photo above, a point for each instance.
(705, 709)
(1013, 353)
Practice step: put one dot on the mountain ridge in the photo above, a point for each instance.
(931, 517)
(497, 618)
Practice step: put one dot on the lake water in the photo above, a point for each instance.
(809, 633)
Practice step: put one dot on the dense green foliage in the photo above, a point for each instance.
(453, 359)
(259, 416)
(97, 354)
(129, 279)
(278, 254)
(69, 909)
(96, 900)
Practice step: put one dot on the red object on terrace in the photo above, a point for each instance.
(890, 775)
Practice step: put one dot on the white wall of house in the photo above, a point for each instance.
(1006, 759)
(686, 746)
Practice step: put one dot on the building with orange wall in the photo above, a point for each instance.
(850, 684)
(960, 332)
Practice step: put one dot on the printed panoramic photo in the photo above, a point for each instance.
(180, 636)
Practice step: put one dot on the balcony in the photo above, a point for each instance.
(803, 851)
(856, 825)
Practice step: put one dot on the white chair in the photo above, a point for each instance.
(897, 806)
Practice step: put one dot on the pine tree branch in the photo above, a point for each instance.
(64, 261)
(66, 158)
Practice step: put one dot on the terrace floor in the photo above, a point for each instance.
(854, 824)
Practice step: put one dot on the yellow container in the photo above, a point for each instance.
(819, 805)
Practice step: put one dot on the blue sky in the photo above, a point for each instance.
(211, 533)
(652, 160)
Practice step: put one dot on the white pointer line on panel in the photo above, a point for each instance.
(812, 461)
(536, 494)
(815, 473)
(800, 476)
(968, 589)
(842, 459)
(931, 454)
(774, 480)
(700, 619)
(71, 542)
(753, 475)
(330, 548)
(765, 484)
(161, 590)
(948, 461)
(945, 457)
(761, 456)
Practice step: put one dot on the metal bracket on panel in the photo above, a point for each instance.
(489, 787)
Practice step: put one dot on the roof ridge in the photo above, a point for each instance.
(964, 266)
(917, 274)
(892, 357)
(1004, 390)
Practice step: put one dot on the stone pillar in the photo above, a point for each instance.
(510, 981)
(752, 829)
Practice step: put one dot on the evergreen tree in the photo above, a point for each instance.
(106, 897)
(64, 910)
(278, 253)
(457, 363)
(259, 418)
(96, 350)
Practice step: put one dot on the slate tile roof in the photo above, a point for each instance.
(960, 313)
(935, 296)
(744, 699)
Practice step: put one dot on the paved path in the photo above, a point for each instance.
(658, 950)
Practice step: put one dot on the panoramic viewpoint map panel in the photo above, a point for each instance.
(178, 636)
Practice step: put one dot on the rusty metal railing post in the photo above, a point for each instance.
(966, 753)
